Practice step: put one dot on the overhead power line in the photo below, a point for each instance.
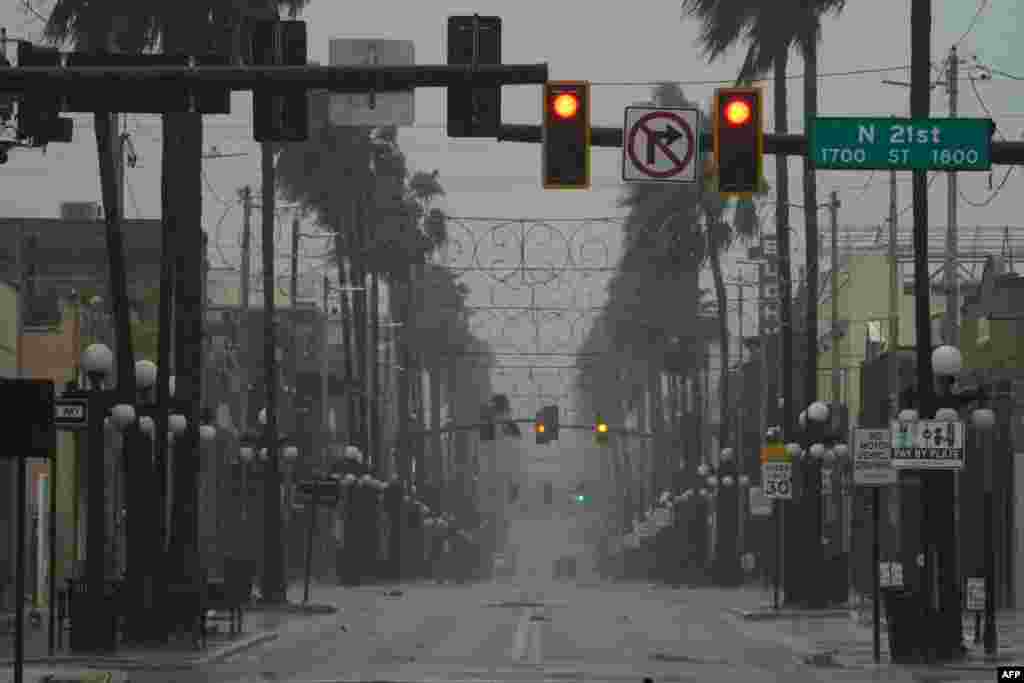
(982, 6)
(731, 81)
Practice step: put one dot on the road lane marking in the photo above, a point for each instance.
(522, 631)
(538, 651)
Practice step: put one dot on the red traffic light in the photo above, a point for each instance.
(737, 112)
(565, 105)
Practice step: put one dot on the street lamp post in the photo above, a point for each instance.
(938, 530)
(984, 419)
(93, 633)
(817, 414)
(723, 479)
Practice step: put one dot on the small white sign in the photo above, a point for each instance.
(890, 574)
(975, 594)
(872, 458)
(378, 109)
(933, 445)
(777, 479)
(760, 504)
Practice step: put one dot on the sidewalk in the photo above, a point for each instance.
(844, 637)
(260, 625)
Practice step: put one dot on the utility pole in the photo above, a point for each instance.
(837, 378)
(246, 196)
(952, 281)
(273, 583)
(939, 589)
(294, 346)
(894, 301)
(741, 425)
(324, 367)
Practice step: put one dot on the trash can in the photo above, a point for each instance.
(900, 609)
(91, 632)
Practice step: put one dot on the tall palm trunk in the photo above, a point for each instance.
(345, 283)
(402, 305)
(715, 258)
(373, 376)
(782, 233)
(790, 580)
(433, 468)
(360, 327)
(656, 426)
(811, 222)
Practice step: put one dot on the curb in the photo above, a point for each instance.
(770, 614)
(292, 608)
(142, 664)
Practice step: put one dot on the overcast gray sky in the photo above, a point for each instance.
(602, 42)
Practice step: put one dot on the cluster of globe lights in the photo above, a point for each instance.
(947, 361)
(98, 362)
(712, 480)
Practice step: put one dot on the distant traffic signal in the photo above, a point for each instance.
(581, 494)
(474, 112)
(565, 154)
(541, 429)
(39, 116)
(600, 432)
(738, 139)
(279, 116)
(550, 416)
(488, 429)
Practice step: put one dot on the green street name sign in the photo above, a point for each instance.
(882, 144)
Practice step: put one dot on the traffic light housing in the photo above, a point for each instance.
(601, 432)
(474, 112)
(550, 417)
(540, 429)
(279, 115)
(581, 496)
(566, 144)
(39, 118)
(488, 428)
(738, 140)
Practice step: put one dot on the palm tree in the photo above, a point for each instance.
(676, 215)
(378, 189)
(771, 29)
(193, 28)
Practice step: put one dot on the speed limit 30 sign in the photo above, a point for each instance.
(777, 479)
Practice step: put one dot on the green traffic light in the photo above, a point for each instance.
(580, 498)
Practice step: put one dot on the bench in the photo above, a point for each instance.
(226, 597)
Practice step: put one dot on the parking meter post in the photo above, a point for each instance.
(310, 534)
(876, 621)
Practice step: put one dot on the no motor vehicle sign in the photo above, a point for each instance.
(872, 458)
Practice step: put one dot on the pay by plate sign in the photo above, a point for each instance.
(928, 445)
(777, 479)
(872, 458)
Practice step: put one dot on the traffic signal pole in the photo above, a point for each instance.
(352, 79)
(1010, 153)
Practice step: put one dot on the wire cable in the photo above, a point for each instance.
(982, 6)
(1005, 74)
(731, 81)
(1002, 183)
(210, 190)
(216, 239)
(131, 198)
